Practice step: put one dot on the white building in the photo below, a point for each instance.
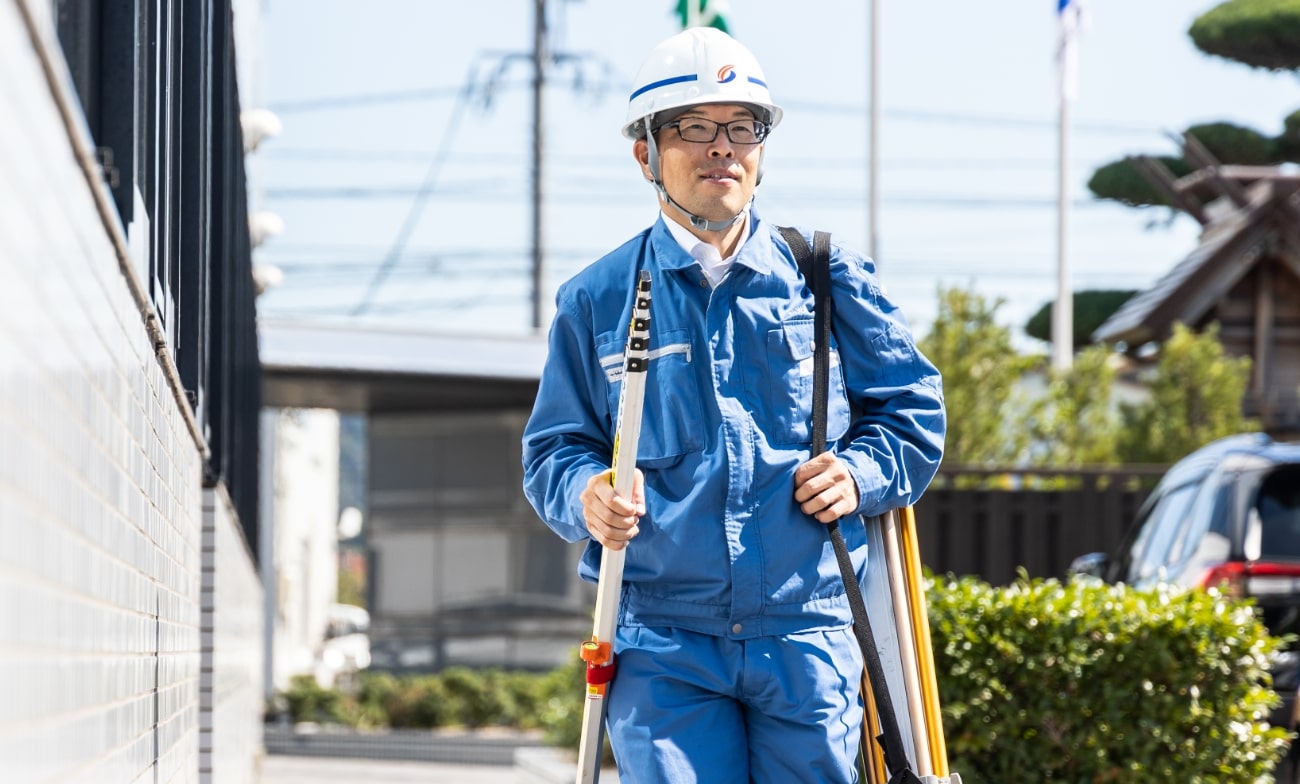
(300, 562)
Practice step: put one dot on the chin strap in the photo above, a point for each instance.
(701, 224)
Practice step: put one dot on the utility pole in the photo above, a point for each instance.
(540, 59)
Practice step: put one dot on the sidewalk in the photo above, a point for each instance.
(402, 756)
(285, 769)
(531, 769)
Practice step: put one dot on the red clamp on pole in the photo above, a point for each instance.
(600, 665)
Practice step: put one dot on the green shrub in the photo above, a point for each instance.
(473, 695)
(363, 700)
(524, 696)
(561, 713)
(1084, 682)
(307, 701)
(414, 702)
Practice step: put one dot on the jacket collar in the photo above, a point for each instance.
(755, 253)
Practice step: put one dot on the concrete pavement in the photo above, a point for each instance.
(285, 769)
(531, 766)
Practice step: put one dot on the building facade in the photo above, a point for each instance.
(460, 570)
(130, 644)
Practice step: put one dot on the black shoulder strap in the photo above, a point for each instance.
(816, 268)
(815, 265)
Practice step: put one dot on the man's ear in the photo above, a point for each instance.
(641, 151)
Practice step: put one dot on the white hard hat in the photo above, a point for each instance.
(698, 65)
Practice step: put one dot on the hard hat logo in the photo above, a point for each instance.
(726, 73)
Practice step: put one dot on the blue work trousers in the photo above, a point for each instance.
(689, 707)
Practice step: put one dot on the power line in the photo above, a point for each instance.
(421, 196)
(949, 118)
(368, 99)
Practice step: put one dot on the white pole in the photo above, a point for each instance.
(873, 136)
(1063, 311)
(1069, 19)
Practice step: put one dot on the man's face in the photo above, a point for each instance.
(714, 180)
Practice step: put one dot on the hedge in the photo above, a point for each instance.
(1038, 681)
(1087, 682)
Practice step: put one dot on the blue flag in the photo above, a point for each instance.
(1069, 15)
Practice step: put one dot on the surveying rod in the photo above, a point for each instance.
(598, 652)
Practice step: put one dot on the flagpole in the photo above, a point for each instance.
(1063, 310)
(873, 136)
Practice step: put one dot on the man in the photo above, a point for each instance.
(736, 656)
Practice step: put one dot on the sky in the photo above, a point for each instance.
(402, 172)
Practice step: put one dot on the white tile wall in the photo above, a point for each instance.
(230, 691)
(100, 488)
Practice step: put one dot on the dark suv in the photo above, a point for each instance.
(1227, 515)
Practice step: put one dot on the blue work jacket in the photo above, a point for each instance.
(723, 547)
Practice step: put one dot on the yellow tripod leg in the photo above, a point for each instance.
(872, 757)
(920, 617)
(904, 626)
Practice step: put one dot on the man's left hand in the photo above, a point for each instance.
(825, 489)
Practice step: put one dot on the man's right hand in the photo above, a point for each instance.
(612, 519)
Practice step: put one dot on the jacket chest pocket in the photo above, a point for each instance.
(672, 422)
(790, 385)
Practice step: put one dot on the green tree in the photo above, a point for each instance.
(1091, 308)
(1228, 143)
(1196, 394)
(1075, 423)
(1258, 33)
(1121, 182)
(980, 368)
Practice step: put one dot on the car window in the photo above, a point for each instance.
(1205, 539)
(1151, 550)
(1209, 515)
(1277, 514)
(1134, 541)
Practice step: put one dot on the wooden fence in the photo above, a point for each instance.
(993, 522)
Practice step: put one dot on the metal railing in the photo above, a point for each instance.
(157, 86)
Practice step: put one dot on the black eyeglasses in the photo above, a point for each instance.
(698, 129)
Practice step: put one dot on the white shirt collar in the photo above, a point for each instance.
(715, 267)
